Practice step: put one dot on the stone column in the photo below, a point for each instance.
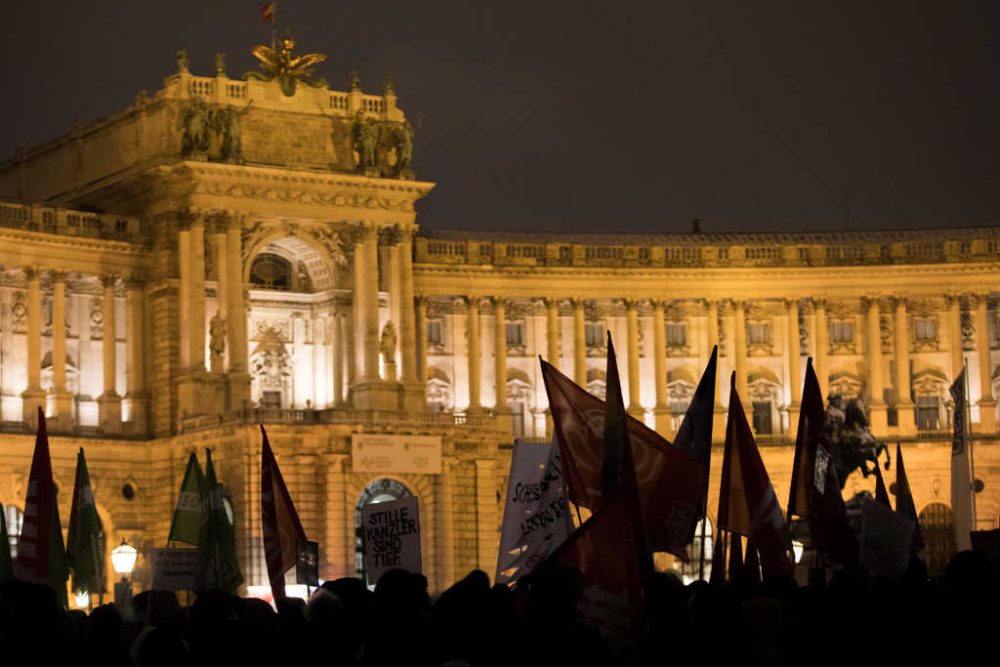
(197, 286)
(740, 352)
(876, 407)
(664, 423)
(794, 365)
(421, 340)
(220, 251)
(987, 404)
(184, 295)
(366, 331)
(632, 320)
(135, 371)
(719, 413)
(821, 346)
(472, 332)
(552, 331)
(337, 342)
(407, 325)
(63, 399)
(33, 397)
(487, 523)
(500, 353)
(236, 319)
(339, 563)
(444, 529)
(579, 344)
(954, 336)
(109, 404)
(904, 402)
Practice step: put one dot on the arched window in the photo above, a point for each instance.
(938, 529)
(270, 271)
(693, 569)
(379, 491)
(15, 521)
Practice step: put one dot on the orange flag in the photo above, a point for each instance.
(282, 528)
(747, 504)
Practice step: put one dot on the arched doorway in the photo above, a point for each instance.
(378, 491)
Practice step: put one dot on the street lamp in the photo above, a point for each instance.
(123, 561)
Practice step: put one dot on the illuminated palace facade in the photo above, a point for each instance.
(228, 252)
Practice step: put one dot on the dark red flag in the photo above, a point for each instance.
(281, 526)
(669, 481)
(747, 503)
(904, 500)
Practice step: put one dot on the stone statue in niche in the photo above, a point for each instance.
(225, 123)
(382, 148)
(217, 341)
(387, 345)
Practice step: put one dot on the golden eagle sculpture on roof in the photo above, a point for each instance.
(285, 67)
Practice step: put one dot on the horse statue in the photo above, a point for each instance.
(852, 443)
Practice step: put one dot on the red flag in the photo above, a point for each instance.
(747, 504)
(41, 555)
(904, 501)
(669, 481)
(815, 491)
(604, 551)
(268, 11)
(282, 528)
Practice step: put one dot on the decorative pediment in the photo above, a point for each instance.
(845, 384)
(930, 381)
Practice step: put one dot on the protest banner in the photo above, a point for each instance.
(307, 563)
(536, 516)
(391, 537)
(885, 540)
(174, 569)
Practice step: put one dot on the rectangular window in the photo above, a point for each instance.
(762, 417)
(842, 331)
(594, 333)
(759, 333)
(925, 329)
(435, 332)
(515, 334)
(676, 334)
(928, 417)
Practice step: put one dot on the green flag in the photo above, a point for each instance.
(84, 538)
(186, 526)
(6, 566)
(217, 563)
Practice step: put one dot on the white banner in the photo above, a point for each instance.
(417, 454)
(391, 537)
(536, 517)
(174, 569)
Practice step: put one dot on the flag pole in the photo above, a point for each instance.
(967, 435)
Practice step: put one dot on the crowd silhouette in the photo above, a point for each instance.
(847, 617)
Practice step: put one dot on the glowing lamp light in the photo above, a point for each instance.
(797, 548)
(123, 558)
(82, 599)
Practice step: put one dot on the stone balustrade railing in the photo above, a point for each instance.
(66, 222)
(716, 251)
(300, 416)
(230, 91)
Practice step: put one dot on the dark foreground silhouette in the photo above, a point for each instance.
(851, 619)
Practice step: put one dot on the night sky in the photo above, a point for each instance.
(564, 115)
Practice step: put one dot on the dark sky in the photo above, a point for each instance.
(596, 116)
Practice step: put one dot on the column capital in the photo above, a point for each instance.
(708, 304)
(953, 298)
(631, 304)
(869, 302)
(32, 273)
(897, 302)
(109, 280)
(659, 305)
(791, 303)
(977, 299)
(57, 275)
(578, 302)
(551, 302)
(471, 301)
(420, 300)
(500, 301)
(391, 235)
(134, 282)
(818, 303)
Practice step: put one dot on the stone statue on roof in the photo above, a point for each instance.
(286, 68)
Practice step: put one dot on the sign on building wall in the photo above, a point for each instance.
(418, 454)
(391, 537)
